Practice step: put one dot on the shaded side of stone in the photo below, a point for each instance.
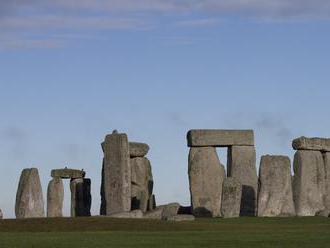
(81, 199)
(231, 198)
(308, 183)
(138, 149)
(220, 138)
(55, 196)
(151, 203)
(103, 210)
(275, 197)
(206, 175)
(242, 166)
(29, 198)
(117, 174)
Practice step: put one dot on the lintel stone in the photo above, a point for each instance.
(220, 138)
(316, 144)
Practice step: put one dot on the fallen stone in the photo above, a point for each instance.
(206, 175)
(116, 174)
(231, 198)
(81, 199)
(142, 183)
(55, 196)
(275, 197)
(220, 138)
(29, 198)
(135, 214)
(308, 183)
(181, 217)
(326, 159)
(242, 166)
(156, 214)
(138, 149)
(67, 173)
(170, 210)
(323, 213)
(316, 144)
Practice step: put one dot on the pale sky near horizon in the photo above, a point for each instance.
(72, 71)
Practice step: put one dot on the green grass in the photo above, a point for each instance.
(106, 232)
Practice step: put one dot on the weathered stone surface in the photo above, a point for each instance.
(116, 174)
(323, 213)
(242, 166)
(170, 210)
(67, 173)
(151, 203)
(181, 217)
(135, 214)
(142, 183)
(81, 199)
(29, 199)
(138, 149)
(326, 159)
(316, 144)
(155, 214)
(206, 175)
(308, 183)
(275, 189)
(220, 138)
(231, 198)
(55, 196)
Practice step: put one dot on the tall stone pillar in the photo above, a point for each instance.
(241, 165)
(206, 175)
(116, 180)
(55, 196)
(80, 197)
(29, 198)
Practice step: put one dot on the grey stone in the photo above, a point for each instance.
(103, 207)
(316, 144)
(55, 196)
(181, 217)
(81, 199)
(67, 173)
(156, 214)
(116, 174)
(308, 182)
(323, 213)
(1, 215)
(231, 198)
(142, 183)
(275, 197)
(151, 203)
(138, 149)
(242, 166)
(135, 214)
(220, 138)
(169, 210)
(206, 175)
(29, 198)
(326, 159)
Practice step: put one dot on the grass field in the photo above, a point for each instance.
(106, 232)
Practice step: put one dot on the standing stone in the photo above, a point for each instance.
(55, 196)
(151, 203)
(29, 199)
(326, 158)
(142, 183)
(275, 197)
(117, 174)
(103, 207)
(1, 215)
(231, 198)
(308, 182)
(242, 166)
(80, 197)
(206, 175)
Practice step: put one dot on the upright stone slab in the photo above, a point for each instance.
(81, 199)
(308, 183)
(206, 175)
(314, 144)
(326, 158)
(231, 198)
(103, 207)
(275, 197)
(137, 149)
(242, 166)
(142, 183)
(29, 198)
(1, 215)
(220, 138)
(55, 196)
(117, 174)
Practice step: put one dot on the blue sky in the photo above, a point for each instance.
(72, 71)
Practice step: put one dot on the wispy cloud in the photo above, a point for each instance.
(196, 23)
